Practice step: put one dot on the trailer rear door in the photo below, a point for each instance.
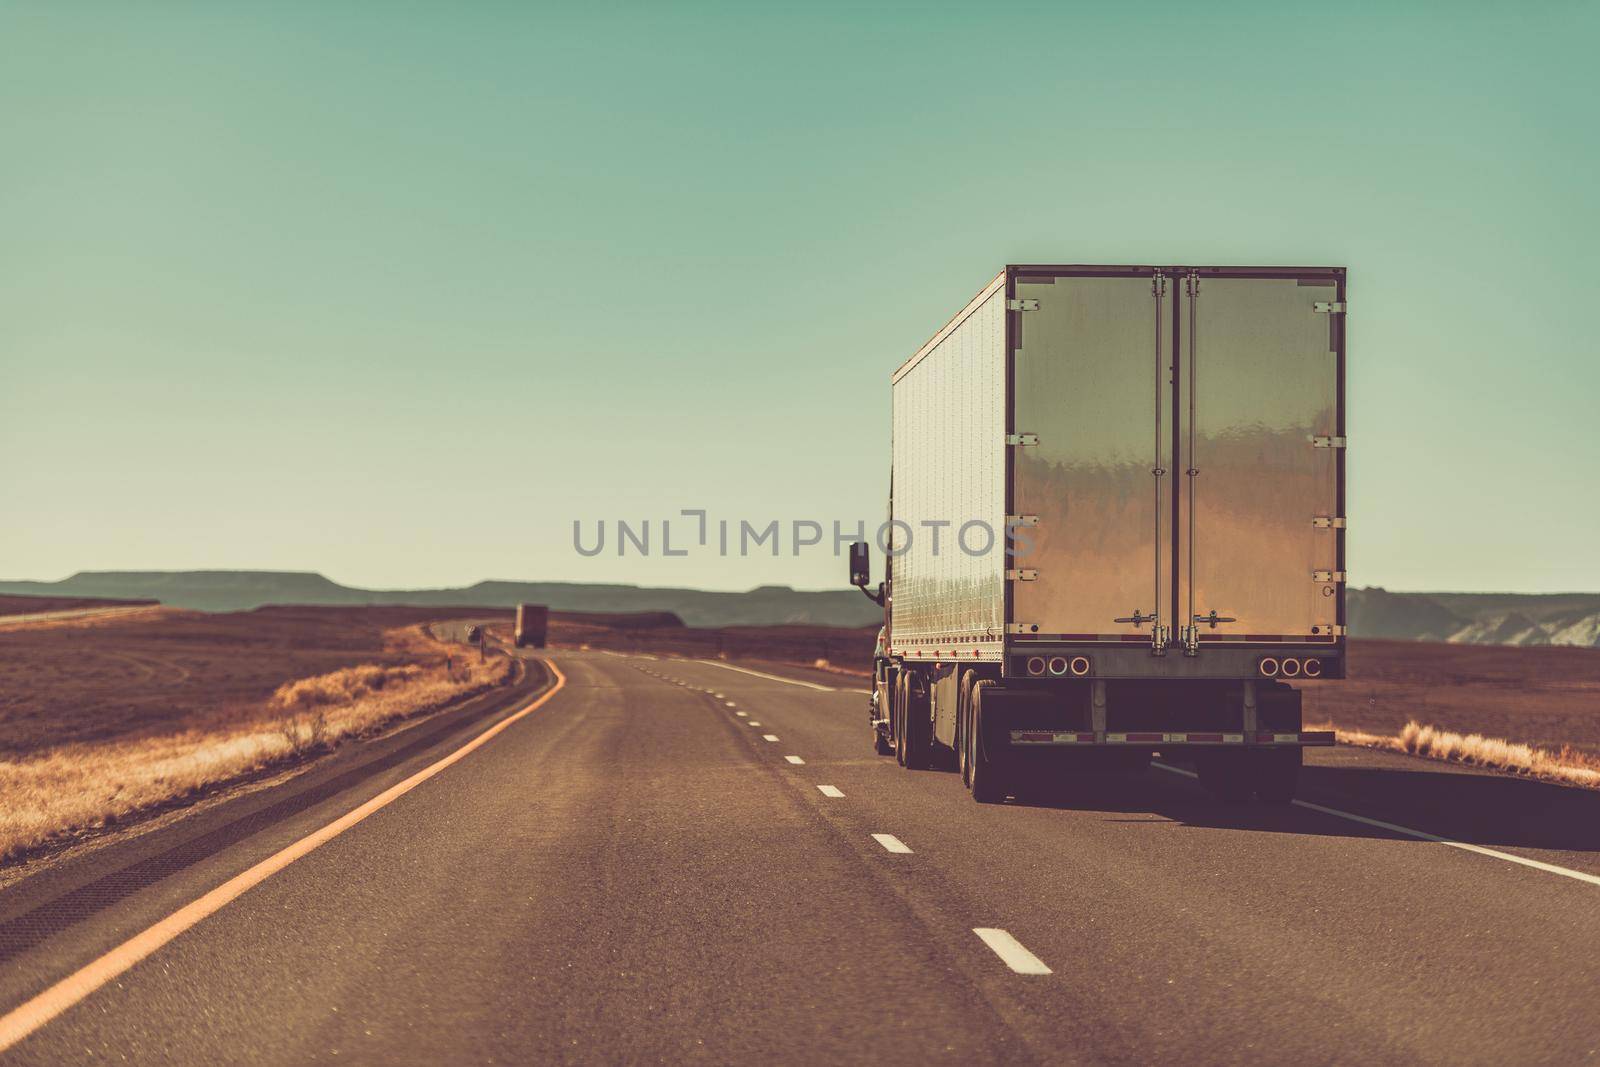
(1091, 470)
(1260, 432)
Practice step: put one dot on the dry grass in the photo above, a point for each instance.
(824, 665)
(55, 794)
(1569, 766)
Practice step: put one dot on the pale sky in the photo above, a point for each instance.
(396, 292)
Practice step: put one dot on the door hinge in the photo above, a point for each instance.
(1013, 521)
(1022, 627)
(1022, 574)
(1329, 307)
(1328, 442)
(1022, 305)
(1328, 522)
(1023, 438)
(1327, 576)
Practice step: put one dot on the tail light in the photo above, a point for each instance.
(1312, 668)
(1058, 665)
(1269, 666)
(1035, 664)
(1291, 667)
(1079, 666)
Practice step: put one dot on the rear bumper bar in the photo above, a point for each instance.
(1085, 738)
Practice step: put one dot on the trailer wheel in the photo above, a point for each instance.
(914, 734)
(983, 776)
(1278, 774)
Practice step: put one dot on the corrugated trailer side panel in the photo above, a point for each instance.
(949, 428)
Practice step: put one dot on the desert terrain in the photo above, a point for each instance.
(19, 606)
(98, 679)
(109, 718)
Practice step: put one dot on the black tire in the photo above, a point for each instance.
(917, 729)
(1227, 775)
(963, 713)
(984, 777)
(897, 719)
(1278, 774)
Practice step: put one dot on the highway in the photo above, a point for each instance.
(670, 860)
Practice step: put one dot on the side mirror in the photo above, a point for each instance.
(860, 565)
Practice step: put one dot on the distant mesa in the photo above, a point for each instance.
(1462, 618)
(631, 605)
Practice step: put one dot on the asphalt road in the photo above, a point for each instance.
(635, 871)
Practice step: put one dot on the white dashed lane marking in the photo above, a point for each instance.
(769, 737)
(892, 843)
(1010, 950)
(830, 791)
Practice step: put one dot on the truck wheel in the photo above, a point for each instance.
(897, 718)
(1226, 775)
(982, 775)
(963, 715)
(1278, 774)
(917, 730)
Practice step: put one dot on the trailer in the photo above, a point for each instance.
(1117, 527)
(532, 627)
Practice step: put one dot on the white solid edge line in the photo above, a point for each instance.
(769, 677)
(830, 791)
(30, 1015)
(892, 843)
(1423, 835)
(769, 737)
(1011, 951)
(795, 760)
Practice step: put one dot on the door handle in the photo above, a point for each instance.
(1213, 618)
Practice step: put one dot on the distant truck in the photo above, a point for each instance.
(1158, 454)
(533, 621)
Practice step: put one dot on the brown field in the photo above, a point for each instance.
(38, 605)
(122, 677)
(114, 719)
(849, 648)
(1546, 697)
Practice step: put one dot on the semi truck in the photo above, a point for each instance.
(533, 622)
(1116, 528)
